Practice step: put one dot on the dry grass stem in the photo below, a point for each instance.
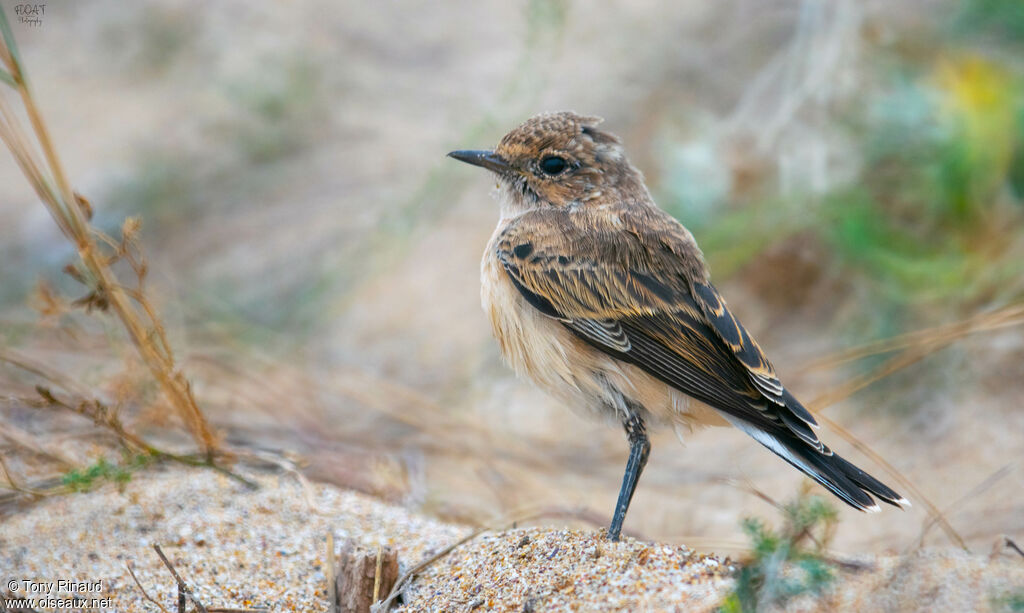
(9, 477)
(26, 441)
(939, 336)
(145, 594)
(70, 212)
(975, 491)
(103, 416)
(15, 358)
(915, 346)
(915, 494)
(184, 591)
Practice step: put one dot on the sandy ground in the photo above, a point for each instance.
(266, 548)
(235, 547)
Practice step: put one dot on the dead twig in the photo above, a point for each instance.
(184, 591)
(40, 488)
(750, 488)
(361, 574)
(1014, 546)
(103, 416)
(144, 592)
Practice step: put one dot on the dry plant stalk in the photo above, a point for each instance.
(360, 575)
(912, 347)
(105, 417)
(71, 212)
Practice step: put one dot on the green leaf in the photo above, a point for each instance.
(7, 78)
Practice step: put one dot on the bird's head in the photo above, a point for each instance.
(560, 159)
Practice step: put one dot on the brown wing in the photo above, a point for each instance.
(632, 283)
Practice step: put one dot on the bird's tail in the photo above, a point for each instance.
(851, 484)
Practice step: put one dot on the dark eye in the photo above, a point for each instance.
(553, 165)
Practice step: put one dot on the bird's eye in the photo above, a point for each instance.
(552, 165)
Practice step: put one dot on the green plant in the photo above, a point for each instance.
(103, 471)
(994, 19)
(781, 565)
(1010, 602)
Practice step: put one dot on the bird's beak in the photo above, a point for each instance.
(485, 159)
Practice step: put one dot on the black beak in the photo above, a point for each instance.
(485, 159)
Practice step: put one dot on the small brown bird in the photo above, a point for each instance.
(604, 301)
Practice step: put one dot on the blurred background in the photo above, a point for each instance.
(853, 170)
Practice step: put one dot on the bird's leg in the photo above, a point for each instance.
(639, 448)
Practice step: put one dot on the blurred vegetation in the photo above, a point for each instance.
(780, 565)
(932, 215)
(103, 471)
(281, 110)
(1010, 602)
(149, 44)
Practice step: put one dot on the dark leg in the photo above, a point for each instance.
(639, 448)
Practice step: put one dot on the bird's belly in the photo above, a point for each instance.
(534, 345)
(587, 380)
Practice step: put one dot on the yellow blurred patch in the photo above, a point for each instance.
(978, 95)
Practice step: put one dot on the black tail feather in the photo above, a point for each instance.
(849, 483)
(869, 483)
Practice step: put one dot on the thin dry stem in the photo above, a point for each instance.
(908, 485)
(28, 364)
(26, 441)
(69, 216)
(1012, 315)
(102, 416)
(9, 477)
(977, 490)
(915, 347)
(183, 588)
(144, 592)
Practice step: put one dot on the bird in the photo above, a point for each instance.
(605, 302)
